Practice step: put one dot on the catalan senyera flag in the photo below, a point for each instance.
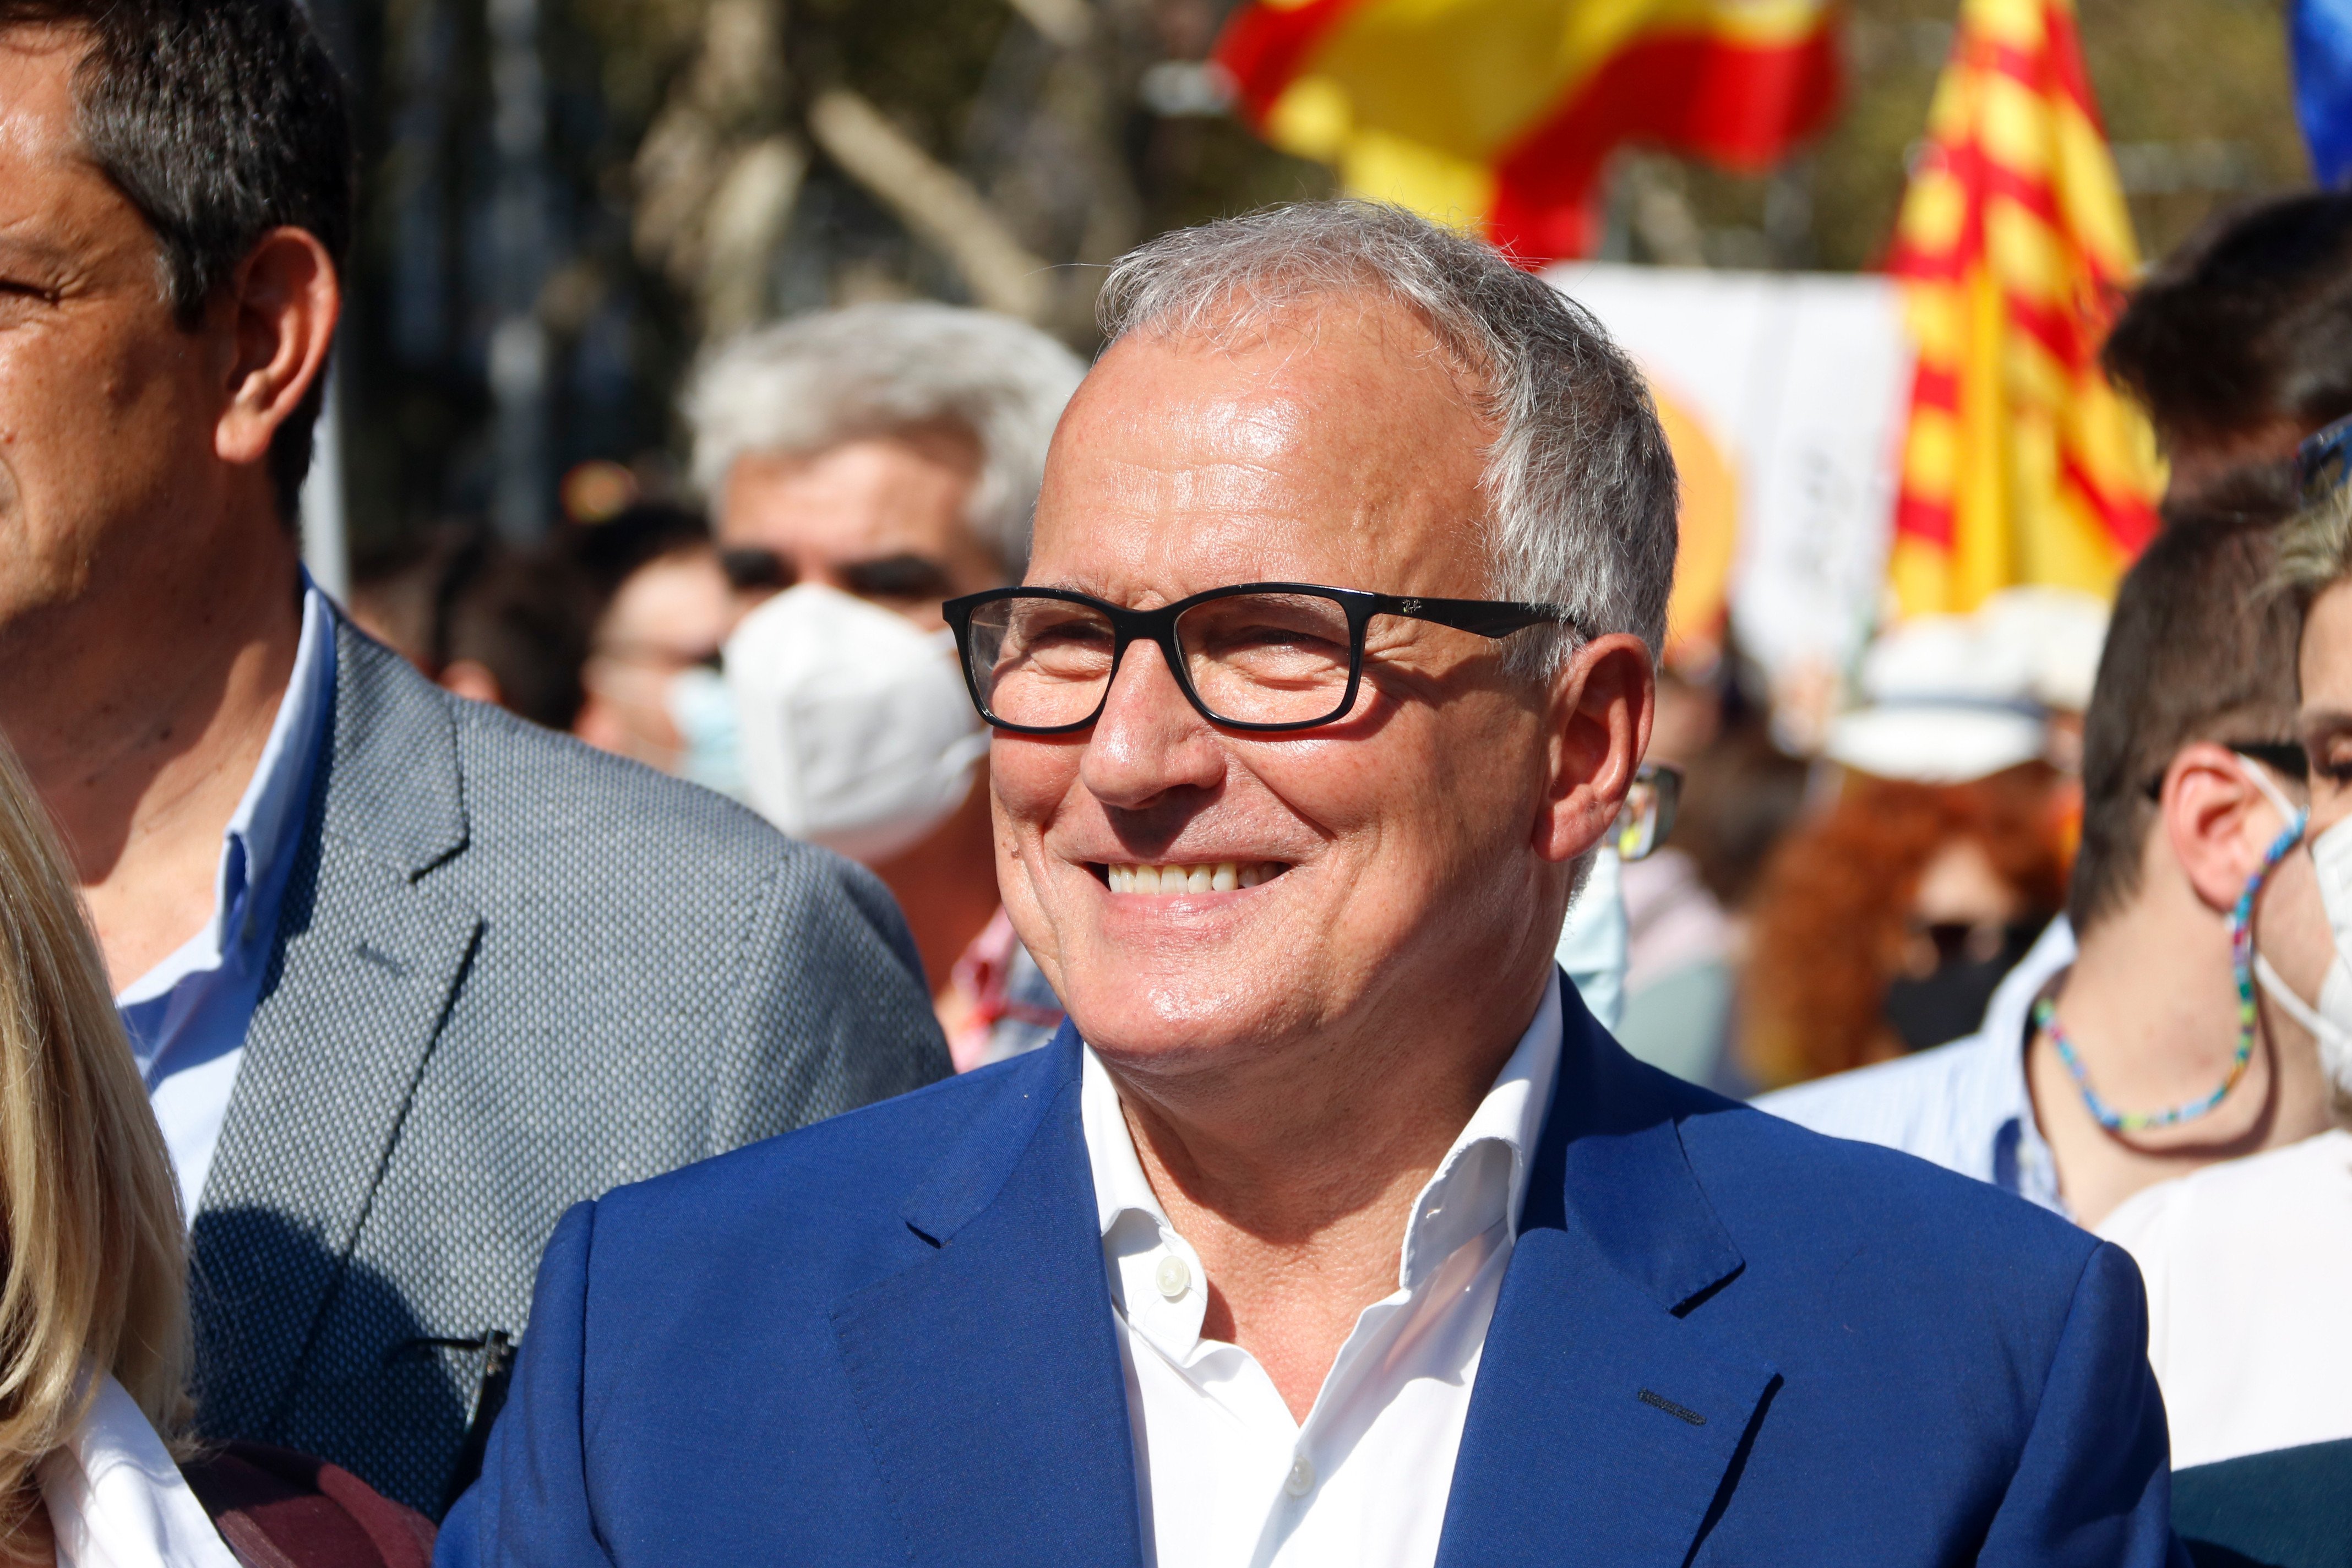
(1500, 113)
(2021, 464)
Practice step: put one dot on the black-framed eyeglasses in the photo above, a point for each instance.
(1256, 655)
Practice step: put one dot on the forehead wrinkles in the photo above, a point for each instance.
(65, 220)
(1255, 428)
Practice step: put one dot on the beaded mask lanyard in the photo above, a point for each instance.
(2241, 961)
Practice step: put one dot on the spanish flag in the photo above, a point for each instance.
(2021, 463)
(1500, 112)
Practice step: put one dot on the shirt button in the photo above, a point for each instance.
(1301, 1479)
(1173, 1279)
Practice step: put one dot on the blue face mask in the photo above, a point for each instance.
(704, 711)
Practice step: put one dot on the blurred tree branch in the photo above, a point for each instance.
(717, 174)
(934, 202)
(1068, 22)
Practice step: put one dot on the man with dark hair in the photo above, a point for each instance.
(2145, 1054)
(2249, 1264)
(405, 975)
(2240, 343)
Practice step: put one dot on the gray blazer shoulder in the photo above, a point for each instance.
(511, 973)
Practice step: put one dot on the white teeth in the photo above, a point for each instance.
(1217, 877)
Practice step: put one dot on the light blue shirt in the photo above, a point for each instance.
(1964, 1106)
(187, 1017)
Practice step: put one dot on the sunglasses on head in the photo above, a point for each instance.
(2323, 461)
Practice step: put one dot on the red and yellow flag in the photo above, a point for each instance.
(2022, 463)
(1500, 113)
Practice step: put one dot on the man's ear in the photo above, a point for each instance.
(280, 308)
(2216, 821)
(1600, 713)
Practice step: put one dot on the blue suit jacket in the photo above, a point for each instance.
(1721, 1339)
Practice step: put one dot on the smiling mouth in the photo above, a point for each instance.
(1212, 876)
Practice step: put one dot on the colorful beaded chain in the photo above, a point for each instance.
(2241, 960)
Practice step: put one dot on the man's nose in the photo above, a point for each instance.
(1148, 738)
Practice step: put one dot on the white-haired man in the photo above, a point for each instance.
(1333, 1230)
(883, 457)
(891, 451)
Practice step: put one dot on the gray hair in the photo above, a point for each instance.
(1579, 485)
(799, 387)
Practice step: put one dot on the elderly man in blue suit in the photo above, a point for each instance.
(1333, 1230)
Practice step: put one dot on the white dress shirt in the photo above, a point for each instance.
(1964, 1106)
(1225, 1476)
(186, 1017)
(2248, 1271)
(116, 1500)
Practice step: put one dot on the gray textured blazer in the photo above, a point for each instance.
(510, 972)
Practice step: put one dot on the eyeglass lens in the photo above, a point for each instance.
(1648, 814)
(1251, 659)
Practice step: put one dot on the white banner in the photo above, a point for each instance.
(1784, 395)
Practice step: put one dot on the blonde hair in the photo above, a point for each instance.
(2314, 546)
(92, 1242)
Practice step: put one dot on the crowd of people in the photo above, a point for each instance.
(1030, 969)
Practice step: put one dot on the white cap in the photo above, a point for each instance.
(1948, 699)
(2059, 632)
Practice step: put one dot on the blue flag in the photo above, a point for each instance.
(2322, 34)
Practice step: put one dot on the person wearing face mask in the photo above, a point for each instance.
(2248, 1265)
(2136, 1042)
(878, 460)
(664, 603)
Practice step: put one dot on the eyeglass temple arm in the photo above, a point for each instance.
(1484, 618)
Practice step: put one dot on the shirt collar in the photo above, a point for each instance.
(1480, 1185)
(116, 1496)
(264, 832)
(2021, 1159)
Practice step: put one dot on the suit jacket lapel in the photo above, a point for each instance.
(989, 1373)
(364, 966)
(1606, 1426)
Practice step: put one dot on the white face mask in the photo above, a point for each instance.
(857, 733)
(2331, 1022)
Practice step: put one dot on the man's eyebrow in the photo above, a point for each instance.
(901, 573)
(2321, 720)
